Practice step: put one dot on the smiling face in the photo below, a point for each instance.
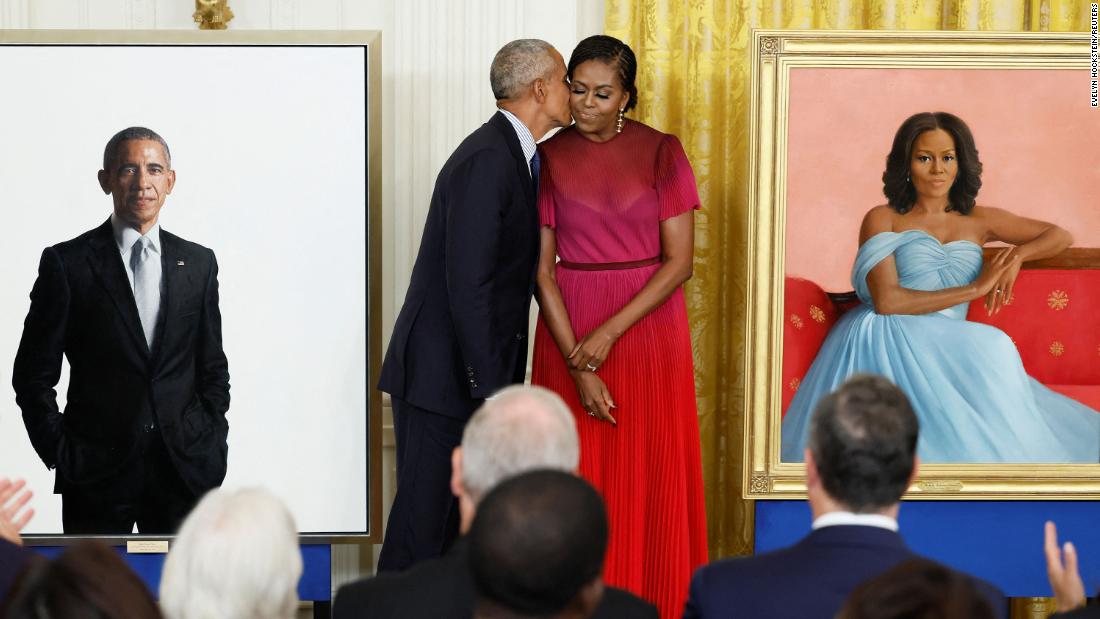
(933, 166)
(597, 96)
(139, 181)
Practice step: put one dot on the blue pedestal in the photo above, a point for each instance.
(1000, 541)
(315, 585)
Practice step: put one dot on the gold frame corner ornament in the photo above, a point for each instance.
(775, 54)
(212, 14)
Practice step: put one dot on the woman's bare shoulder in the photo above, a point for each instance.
(878, 219)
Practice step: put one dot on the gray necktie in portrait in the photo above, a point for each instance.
(146, 286)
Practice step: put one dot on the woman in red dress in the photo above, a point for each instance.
(616, 202)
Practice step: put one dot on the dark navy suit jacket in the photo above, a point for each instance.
(82, 308)
(462, 332)
(443, 588)
(809, 579)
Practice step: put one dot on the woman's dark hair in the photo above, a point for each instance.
(901, 194)
(615, 53)
(88, 581)
(917, 589)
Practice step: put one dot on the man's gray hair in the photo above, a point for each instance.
(518, 64)
(235, 557)
(520, 429)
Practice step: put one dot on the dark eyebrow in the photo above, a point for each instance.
(580, 83)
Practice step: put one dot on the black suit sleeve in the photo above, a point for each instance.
(478, 191)
(38, 360)
(212, 381)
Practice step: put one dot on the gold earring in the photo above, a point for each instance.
(619, 123)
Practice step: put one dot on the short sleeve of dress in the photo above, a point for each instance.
(546, 193)
(675, 182)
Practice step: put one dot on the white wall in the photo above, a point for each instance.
(435, 64)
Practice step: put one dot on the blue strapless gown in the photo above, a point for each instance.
(965, 379)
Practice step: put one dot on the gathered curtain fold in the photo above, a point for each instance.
(693, 81)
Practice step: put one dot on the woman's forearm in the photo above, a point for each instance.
(665, 280)
(552, 308)
(908, 301)
(1050, 243)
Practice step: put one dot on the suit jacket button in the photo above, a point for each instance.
(519, 336)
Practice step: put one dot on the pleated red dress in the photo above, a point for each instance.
(606, 201)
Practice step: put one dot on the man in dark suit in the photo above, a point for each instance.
(861, 457)
(462, 332)
(135, 311)
(537, 548)
(521, 429)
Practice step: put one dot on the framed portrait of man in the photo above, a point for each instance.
(1008, 400)
(192, 267)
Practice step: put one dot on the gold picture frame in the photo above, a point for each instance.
(775, 54)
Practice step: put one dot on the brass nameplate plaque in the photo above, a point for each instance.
(147, 546)
(940, 486)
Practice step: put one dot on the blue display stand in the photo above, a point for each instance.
(315, 586)
(1000, 541)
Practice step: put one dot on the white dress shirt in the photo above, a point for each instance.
(833, 519)
(526, 140)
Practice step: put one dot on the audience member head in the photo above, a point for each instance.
(537, 547)
(87, 581)
(861, 454)
(235, 557)
(522, 428)
(917, 589)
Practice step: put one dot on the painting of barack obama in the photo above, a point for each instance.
(134, 309)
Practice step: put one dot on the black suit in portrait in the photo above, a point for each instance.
(443, 588)
(143, 434)
(462, 332)
(809, 579)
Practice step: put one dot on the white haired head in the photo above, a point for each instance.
(235, 557)
(520, 429)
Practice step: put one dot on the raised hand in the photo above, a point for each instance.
(13, 498)
(1065, 578)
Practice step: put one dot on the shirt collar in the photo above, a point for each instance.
(526, 140)
(126, 236)
(833, 519)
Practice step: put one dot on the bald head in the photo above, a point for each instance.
(522, 428)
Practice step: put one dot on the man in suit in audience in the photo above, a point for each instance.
(134, 310)
(520, 429)
(537, 548)
(861, 457)
(462, 331)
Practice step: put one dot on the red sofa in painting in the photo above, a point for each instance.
(1053, 317)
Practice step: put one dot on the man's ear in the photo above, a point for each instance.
(171, 182)
(538, 87)
(916, 470)
(812, 476)
(586, 601)
(104, 181)
(457, 488)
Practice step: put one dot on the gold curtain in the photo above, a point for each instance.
(693, 77)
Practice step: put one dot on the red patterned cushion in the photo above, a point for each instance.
(1054, 319)
(808, 314)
